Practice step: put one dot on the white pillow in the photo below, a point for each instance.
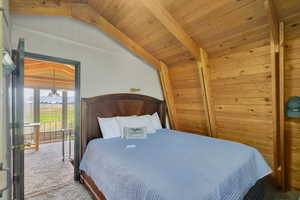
(136, 122)
(155, 121)
(109, 127)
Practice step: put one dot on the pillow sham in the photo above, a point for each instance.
(135, 133)
(156, 121)
(109, 127)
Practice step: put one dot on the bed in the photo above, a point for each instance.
(167, 164)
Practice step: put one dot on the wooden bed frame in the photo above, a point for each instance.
(124, 105)
(110, 106)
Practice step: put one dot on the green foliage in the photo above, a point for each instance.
(55, 116)
(50, 113)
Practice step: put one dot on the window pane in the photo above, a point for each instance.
(50, 115)
(28, 105)
(28, 115)
(71, 109)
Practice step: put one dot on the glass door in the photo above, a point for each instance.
(18, 122)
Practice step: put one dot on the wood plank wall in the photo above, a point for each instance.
(292, 88)
(241, 89)
(241, 93)
(188, 98)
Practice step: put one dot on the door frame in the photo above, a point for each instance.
(76, 64)
(18, 121)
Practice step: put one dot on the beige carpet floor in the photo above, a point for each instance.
(48, 178)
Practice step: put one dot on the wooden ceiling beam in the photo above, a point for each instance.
(40, 8)
(282, 111)
(43, 73)
(49, 68)
(279, 158)
(204, 76)
(90, 16)
(44, 78)
(168, 94)
(47, 84)
(273, 22)
(157, 9)
(84, 13)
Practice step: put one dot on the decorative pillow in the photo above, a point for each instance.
(156, 121)
(135, 133)
(136, 122)
(109, 127)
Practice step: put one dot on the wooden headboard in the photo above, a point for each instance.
(115, 105)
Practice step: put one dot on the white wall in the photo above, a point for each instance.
(106, 67)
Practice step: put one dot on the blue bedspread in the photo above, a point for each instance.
(171, 165)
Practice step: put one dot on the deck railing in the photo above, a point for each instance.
(50, 132)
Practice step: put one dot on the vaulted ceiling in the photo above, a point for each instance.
(170, 30)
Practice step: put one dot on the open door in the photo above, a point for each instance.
(18, 122)
(7, 67)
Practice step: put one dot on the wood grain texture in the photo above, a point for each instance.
(241, 90)
(188, 98)
(292, 88)
(84, 13)
(206, 108)
(41, 8)
(273, 22)
(204, 76)
(88, 15)
(274, 55)
(170, 29)
(157, 9)
(168, 94)
(282, 147)
(131, 17)
(219, 21)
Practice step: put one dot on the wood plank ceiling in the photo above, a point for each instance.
(44, 74)
(217, 26)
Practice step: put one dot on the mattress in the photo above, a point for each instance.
(171, 165)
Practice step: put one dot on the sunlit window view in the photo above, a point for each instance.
(51, 114)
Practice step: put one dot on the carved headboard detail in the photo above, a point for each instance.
(115, 105)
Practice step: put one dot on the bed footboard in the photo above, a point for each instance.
(88, 182)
